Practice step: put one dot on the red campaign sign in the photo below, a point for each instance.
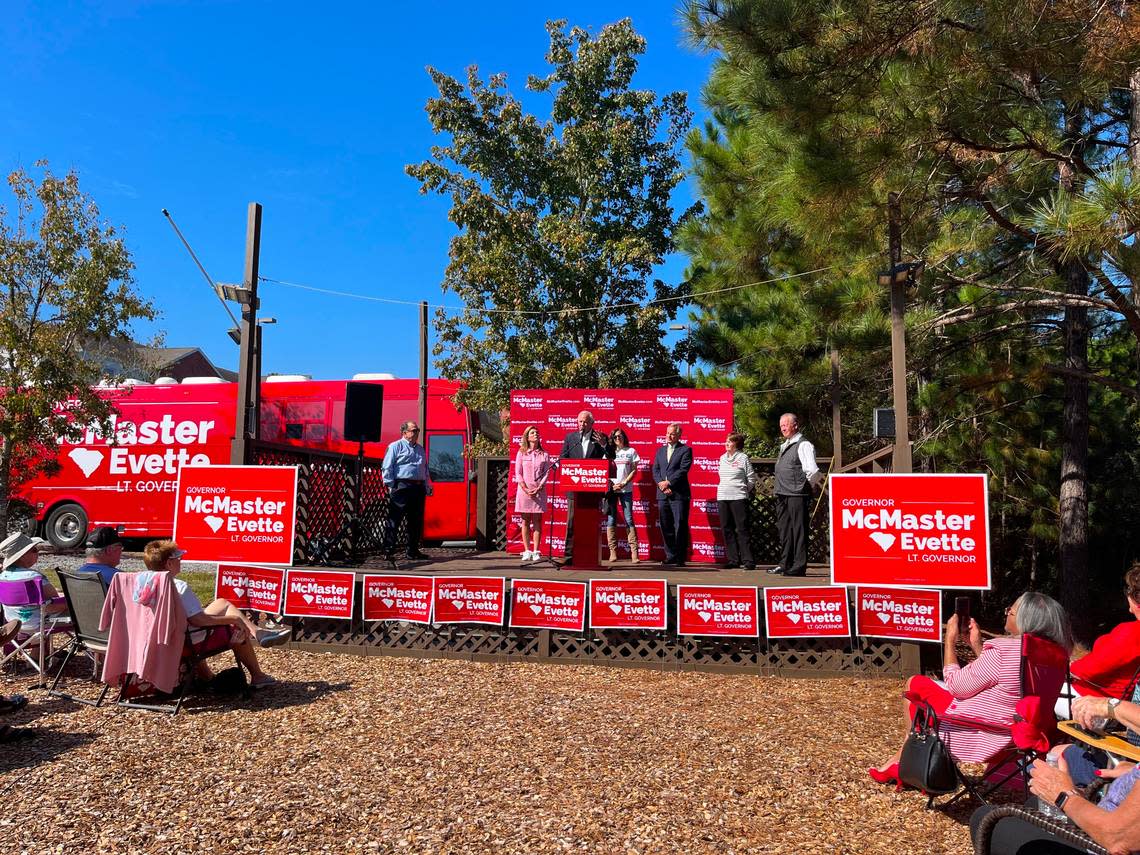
(910, 531)
(470, 599)
(320, 593)
(543, 604)
(908, 614)
(628, 603)
(393, 597)
(717, 610)
(585, 476)
(257, 588)
(236, 514)
(819, 612)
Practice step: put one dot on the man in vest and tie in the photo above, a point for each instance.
(796, 470)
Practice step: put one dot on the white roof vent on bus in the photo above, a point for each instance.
(288, 378)
(165, 381)
(107, 383)
(383, 375)
(201, 381)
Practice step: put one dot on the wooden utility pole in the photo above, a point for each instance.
(899, 280)
(423, 370)
(836, 427)
(246, 423)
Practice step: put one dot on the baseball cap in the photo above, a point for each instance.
(102, 537)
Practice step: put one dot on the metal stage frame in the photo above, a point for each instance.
(664, 651)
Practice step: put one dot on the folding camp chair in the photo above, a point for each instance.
(1061, 829)
(29, 593)
(85, 594)
(134, 696)
(1044, 667)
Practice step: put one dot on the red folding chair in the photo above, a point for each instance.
(1044, 670)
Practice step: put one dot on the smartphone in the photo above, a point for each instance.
(962, 609)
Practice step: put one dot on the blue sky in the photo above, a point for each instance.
(312, 110)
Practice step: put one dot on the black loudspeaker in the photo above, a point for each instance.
(363, 407)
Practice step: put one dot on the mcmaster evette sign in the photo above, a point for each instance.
(910, 531)
(236, 514)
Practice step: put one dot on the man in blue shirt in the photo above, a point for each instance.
(104, 552)
(406, 477)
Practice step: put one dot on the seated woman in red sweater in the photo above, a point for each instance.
(1107, 670)
(989, 687)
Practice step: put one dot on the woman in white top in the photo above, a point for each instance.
(737, 480)
(621, 493)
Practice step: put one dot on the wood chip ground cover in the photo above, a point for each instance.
(369, 755)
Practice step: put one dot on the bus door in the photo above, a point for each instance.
(446, 511)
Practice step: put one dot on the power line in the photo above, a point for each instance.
(552, 311)
(210, 281)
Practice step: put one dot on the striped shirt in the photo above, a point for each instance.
(987, 689)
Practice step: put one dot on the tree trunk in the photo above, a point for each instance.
(5, 483)
(1074, 492)
(1134, 124)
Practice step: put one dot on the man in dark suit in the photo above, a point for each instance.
(582, 444)
(671, 472)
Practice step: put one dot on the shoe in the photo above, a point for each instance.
(264, 682)
(749, 566)
(273, 637)
(390, 557)
(418, 556)
(776, 571)
(729, 566)
(9, 631)
(526, 555)
(562, 562)
(799, 575)
(890, 775)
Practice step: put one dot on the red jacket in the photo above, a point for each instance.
(1108, 669)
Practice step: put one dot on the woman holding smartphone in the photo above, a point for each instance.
(621, 492)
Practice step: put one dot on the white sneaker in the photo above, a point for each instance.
(526, 555)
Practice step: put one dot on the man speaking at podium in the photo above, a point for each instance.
(582, 444)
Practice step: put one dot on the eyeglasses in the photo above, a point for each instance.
(412, 430)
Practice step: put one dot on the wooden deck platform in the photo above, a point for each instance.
(661, 650)
(452, 562)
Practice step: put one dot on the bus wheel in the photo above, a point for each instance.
(21, 518)
(66, 526)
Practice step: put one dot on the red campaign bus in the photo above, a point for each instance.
(130, 483)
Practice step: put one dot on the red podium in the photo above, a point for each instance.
(586, 479)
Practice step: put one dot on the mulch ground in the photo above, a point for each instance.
(372, 755)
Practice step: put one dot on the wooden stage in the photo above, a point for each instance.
(453, 562)
(655, 649)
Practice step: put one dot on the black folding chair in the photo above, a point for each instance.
(85, 593)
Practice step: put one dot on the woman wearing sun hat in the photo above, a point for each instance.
(19, 554)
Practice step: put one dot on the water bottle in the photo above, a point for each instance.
(1045, 808)
(1099, 723)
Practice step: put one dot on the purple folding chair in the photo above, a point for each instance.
(27, 593)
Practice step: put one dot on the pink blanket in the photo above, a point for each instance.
(148, 631)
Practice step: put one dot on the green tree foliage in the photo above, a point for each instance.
(1004, 125)
(65, 283)
(555, 216)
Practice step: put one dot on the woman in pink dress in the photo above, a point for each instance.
(532, 466)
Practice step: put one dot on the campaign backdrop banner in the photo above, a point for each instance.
(910, 531)
(717, 610)
(819, 612)
(628, 603)
(543, 604)
(396, 597)
(470, 599)
(236, 514)
(705, 416)
(320, 593)
(259, 589)
(908, 614)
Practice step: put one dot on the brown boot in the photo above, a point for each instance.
(631, 537)
(611, 539)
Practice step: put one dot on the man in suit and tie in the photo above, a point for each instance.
(582, 444)
(671, 472)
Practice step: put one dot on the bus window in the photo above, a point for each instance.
(445, 457)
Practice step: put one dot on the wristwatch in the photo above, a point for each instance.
(1113, 703)
(1063, 797)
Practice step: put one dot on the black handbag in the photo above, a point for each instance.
(925, 763)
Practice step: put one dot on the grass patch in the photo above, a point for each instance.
(201, 582)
